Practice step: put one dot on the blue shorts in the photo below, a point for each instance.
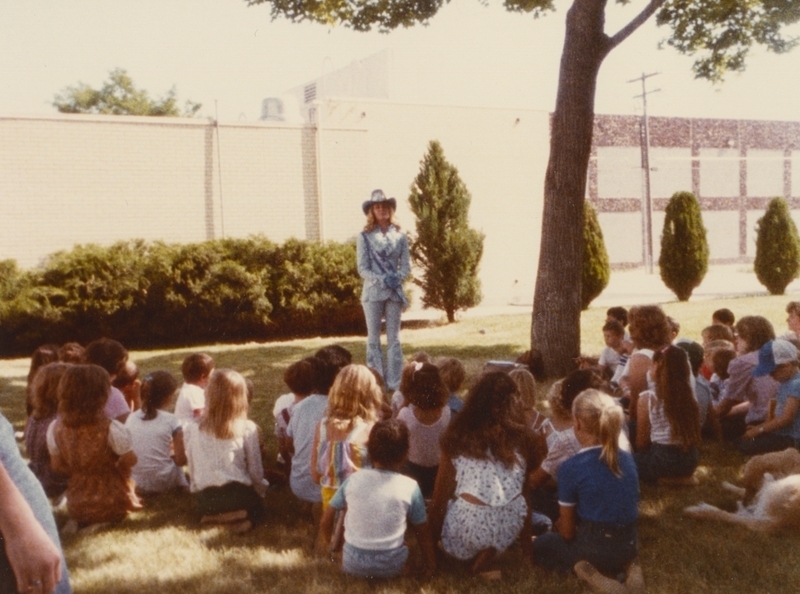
(374, 564)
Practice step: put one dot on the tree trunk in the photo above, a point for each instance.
(555, 329)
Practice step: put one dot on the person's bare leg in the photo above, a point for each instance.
(483, 560)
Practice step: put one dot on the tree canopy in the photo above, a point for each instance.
(119, 96)
(718, 33)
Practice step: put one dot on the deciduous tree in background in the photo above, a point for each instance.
(720, 32)
(444, 246)
(119, 96)
(596, 269)
(777, 260)
(683, 261)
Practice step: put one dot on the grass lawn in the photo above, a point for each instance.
(160, 550)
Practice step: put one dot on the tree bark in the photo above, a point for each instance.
(555, 329)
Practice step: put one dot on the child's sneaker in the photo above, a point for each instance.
(597, 581)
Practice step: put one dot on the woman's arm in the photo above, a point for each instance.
(538, 478)
(33, 557)
(404, 262)
(636, 381)
(787, 417)
(125, 462)
(567, 521)
(643, 422)
(364, 260)
(426, 548)
(443, 491)
(178, 448)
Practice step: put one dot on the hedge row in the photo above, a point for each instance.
(155, 294)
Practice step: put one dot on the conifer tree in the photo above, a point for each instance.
(777, 260)
(684, 248)
(596, 269)
(444, 247)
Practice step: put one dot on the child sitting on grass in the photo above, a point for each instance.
(225, 466)
(340, 441)
(157, 437)
(94, 451)
(427, 416)
(196, 370)
(453, 374)
(301, 378)
(380, 502)
(598, 494)
(44, 399)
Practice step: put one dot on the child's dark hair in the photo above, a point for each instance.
(335, 357)
(452, 372)
(615, 327)
(720, 359)
(388, 443)
(82, 394)
(718, 332)
(490, 424)
(618, 313)
(71, 352)
(127, 374)
(47, 353)
(301, 376)
(157, 388)
(44, 390)
(197, 366)
(422, 385)
(575, 383)
(695, 353)
(107, 353)
(724, 316)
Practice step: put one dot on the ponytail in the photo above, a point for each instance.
(602, 417)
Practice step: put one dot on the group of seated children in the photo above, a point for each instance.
(467, 474)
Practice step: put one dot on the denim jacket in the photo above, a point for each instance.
(392, 248)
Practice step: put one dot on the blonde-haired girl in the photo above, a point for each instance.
(223, 451)
(340, 441)
(598, 494)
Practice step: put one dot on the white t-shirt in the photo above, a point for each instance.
(215, 462)
(302, 426)
(609, 358)
(155, 470)
(190, 399)
(378, 503)
(116, 405)
(423, 442)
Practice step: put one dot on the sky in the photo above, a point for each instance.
(229, 56)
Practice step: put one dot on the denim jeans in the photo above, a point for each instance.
(609, 548)
(374, 313)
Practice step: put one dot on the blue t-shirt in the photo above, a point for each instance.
(788, 389)
(584, 481)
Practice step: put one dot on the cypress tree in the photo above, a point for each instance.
(445, 248)
(777, 260)
(596, 269)
(684, 248)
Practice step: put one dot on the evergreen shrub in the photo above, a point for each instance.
(154, 294)
(596, 271)
(683, 261)
(777, 260)
(444, 247)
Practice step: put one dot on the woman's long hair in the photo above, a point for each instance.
(226, 404)
(490, 424)
(674, 391)
(601, 417)
(372, 223)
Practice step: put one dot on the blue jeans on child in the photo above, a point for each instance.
(610, 548)
(374, 313)
(372, 563)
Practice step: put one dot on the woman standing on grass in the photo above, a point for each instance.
(383, 263)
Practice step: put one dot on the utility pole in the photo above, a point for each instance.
(647, 203)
